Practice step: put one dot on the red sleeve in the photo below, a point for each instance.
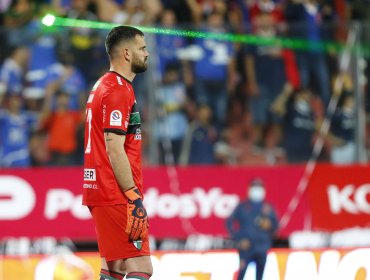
(117, 105)
(291, 69)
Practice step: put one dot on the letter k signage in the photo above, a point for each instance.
(350, 199)
(340, 197)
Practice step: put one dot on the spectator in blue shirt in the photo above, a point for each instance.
(168, 45)
(67, 78)
(252, 226)
(60, 76)
(43, 60)
(214, 69)
(305, 18)
(13, 69)
(171, 124)
(198, 147)
(299, 123)
(15, 128)
(265, 75)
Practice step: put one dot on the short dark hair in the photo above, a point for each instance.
(119, 34)
(257, 181)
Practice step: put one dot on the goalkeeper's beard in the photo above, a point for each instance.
(138, 66)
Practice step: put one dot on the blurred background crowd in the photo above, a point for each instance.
(203, 100)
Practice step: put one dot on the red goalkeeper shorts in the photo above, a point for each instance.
(114, 244)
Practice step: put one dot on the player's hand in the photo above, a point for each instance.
(137, 219)
(244, 244)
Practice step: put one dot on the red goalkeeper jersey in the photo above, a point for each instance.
(111, 107)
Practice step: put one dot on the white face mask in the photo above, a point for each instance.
(256, 193)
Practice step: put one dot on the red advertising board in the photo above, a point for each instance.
(181, 201)
(340, 197)
(43, 202)
(198, 199)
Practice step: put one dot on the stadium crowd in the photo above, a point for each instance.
(205, 101)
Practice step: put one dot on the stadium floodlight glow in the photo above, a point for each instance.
(288, 43)
(48, 20)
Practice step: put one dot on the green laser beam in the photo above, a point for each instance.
(289, 43)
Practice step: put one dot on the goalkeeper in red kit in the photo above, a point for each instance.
(112, 187)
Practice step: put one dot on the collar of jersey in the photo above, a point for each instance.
(111, 71)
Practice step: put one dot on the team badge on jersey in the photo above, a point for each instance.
(116, 118)
(138, 244)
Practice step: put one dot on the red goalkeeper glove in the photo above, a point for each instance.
(137, 219)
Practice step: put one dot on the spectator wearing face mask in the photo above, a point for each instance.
(252, 226)
(300, 122)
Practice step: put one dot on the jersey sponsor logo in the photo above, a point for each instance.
(138, 244)
(138, 134)
(116, 118)
(104, 112)
(90, 186)
(89, 174)
(199, 203)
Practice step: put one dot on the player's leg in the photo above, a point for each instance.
(260, 260)
(104, 221)
(115, 246)
(112, 270)
(245, 258)
(242, 269)
(138, 268)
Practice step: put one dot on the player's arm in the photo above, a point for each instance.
(137, 221)
(114, 144)
(230, 222)
(251, 75)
